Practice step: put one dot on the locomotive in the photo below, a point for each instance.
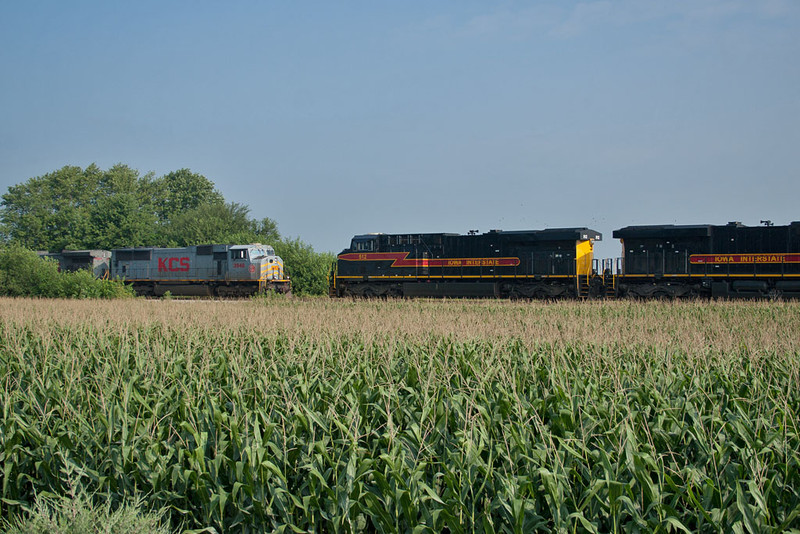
(201, 270)
(730, 261)
(658, 261)
(95, 261)
(536, 263)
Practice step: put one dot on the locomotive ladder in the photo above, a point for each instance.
(583, 286)
(610, 285)
(609, 278)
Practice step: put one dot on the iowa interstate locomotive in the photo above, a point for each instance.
(730, 261)
(539, 263)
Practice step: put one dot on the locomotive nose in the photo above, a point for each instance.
(272, 268)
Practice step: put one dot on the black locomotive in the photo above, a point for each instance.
(667, 261)
(704, 260)
(544, 264)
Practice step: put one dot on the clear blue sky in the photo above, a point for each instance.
(337, 118)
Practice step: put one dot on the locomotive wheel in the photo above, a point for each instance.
(774, 294)
(395, 293)
(541, 294)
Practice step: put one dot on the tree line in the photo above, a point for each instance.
(75, 208)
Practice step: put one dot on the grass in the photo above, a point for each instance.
(401, 416)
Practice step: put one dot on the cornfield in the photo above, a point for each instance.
(296, 415)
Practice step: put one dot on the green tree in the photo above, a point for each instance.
(220, 223)
(78, 208)
(181, 191)
(120, 220)
(122, 214)
(52, 211)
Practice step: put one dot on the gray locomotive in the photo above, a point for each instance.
(201, 270)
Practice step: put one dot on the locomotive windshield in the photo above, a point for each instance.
(364, 244)
(259, 251)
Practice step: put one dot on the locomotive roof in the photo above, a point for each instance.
(82, 252)
(216, 246)
(664, 230)
(549, 234)
(682, 230)
(556, 234)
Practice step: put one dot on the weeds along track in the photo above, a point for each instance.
(313, 415)
(695, 328)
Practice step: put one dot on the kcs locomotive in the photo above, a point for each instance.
(202, 270)
(667, 261)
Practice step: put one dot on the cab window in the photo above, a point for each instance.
(363, 245)
(239, 254)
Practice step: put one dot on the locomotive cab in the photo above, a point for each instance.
(271, 265)
(255, 262)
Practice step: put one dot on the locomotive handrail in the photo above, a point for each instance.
(332, 274)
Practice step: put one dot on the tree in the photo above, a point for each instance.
(51, 211)
(220, 223)
(123, 213)
(75, 208)
(181, 191)
(120, 220)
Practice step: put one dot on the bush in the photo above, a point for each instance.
(82, 284)
(24, 274)
(77, 514)
(307, 269)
